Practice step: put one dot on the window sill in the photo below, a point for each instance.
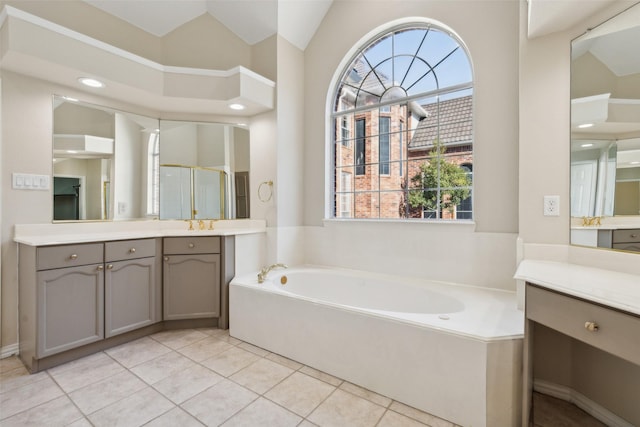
(418, 222)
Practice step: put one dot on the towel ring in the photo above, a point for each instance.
(265, 199)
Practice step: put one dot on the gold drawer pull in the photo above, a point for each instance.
(100, 267)
(591, 326)
(132, 250)
(110, 267)
(191, 245)
(73, 256)
(634, 236)
(166, 258)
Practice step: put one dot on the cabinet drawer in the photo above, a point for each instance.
(191, 245)
(129, 249)
(635, 247)
(49, 257)
(626, 236)
(617, 332)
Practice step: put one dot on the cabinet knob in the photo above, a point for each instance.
(132, 250)
(634, 236)
(591, 326)
(110, 267)
(73, 256)
(166, 258)
(100, 267)
(191, 245)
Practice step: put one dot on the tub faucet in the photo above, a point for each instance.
(265, 270)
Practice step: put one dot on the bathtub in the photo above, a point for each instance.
(453, 351)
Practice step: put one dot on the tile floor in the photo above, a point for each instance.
(551, 412)
(192, 377)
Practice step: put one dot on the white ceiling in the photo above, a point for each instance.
(251, 20)
(549, 16)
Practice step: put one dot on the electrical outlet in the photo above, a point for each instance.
(551, 205)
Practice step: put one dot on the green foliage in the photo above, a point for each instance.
(438, 173)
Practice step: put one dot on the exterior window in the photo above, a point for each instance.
(360, 147)
(383, 139)
(409, 95)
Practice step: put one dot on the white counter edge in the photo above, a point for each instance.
(606, 287)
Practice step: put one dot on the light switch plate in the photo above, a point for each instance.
(27, 181)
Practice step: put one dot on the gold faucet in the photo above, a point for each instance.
(265, 270)
(211, 221)
(200, 224)
(190, 225)
(588, 221)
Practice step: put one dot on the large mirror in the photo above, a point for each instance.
(605, 134)
(112, 165)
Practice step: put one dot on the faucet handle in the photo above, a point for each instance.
(190, 225)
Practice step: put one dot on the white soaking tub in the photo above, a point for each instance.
(451, 350)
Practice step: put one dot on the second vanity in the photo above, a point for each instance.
(582, 339)
(90, 286)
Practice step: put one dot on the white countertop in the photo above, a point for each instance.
(83, 232)
(610, 288)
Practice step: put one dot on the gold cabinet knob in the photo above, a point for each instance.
(191, 245)
(100, 267)
(166, 258)
(74, 256)
(110, 267)
(132, 250)
(591, 326)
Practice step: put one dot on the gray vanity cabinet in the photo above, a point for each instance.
(69, 309)
(191, 277)
(132, 285)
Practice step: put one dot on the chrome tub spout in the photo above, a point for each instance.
(265, 270)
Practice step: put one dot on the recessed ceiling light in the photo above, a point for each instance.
(88, 81)
(585, 125)
(586, 145)
(236, 106)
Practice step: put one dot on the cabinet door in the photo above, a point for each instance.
(191, 286)
(130, 295)
(70, 308)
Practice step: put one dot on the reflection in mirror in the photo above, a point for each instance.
(605, 132)
(204, 172)
(105, 163)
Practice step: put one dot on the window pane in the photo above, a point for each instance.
(367, 205)
(360, 149)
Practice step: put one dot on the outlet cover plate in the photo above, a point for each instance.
(551, 205)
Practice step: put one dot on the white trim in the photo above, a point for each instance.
(9, 350)
(43, 23)
(581, 401)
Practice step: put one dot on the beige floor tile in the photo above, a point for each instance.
(204, 349)
(231, 340)
(137, 352)
(323, 376)
(29, 396)
(263, 413)
(82, 422)
(253, 349)
(87, 370)
(57, 412)
(186, 383)
(419, 415)
(103, 393)
(300, 393)
(344, 409)
(231, 361)
(393, 419)
(292, 364)
(9, 363)
(366, 394)
(179, 338)
(135, 410)
(217, 404)
(173, 418)
(163, 366)
(261, 375)
(19, 377)
(551, 412)
(306, 423)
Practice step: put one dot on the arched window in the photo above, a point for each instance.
(402, 127)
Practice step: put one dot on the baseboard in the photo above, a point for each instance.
(581, 401)
(9, 350)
